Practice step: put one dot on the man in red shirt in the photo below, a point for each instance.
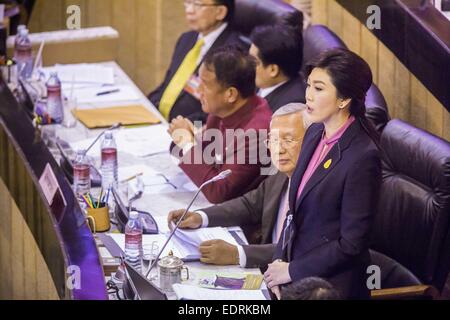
(237, 124)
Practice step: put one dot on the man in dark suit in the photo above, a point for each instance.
(265, 206)
(278, 50)
(177, 94)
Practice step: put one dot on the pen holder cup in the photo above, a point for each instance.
(98, 218)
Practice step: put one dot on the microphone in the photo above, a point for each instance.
(113, 127)
(220, 176)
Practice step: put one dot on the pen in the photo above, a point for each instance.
(132, 177)
(107, 92)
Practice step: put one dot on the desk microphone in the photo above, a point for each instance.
(113, 127)
(220, 176)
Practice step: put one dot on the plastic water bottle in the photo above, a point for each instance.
(54, 98)
(133, 241)
(109, 161)
(81, 176)
(20, 29)
(23, 54)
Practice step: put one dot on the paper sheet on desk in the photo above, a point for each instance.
(146, 140)
(147, 240)
(127, 172)
(189, 241)
(89, 94)
(82, 73)
(135, 141)
(189, 292)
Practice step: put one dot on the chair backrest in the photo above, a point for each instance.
(251, 13)
(318, 38)
(412, 223)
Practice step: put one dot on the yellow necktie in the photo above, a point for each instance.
(179, 79)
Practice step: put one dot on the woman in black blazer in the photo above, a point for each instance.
(334, 190)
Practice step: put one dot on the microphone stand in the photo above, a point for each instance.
(114, 126)
(220, 176)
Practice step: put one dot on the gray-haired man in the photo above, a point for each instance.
(266, 206)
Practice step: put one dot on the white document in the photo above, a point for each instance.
(147, 242)
(184, 244)
(112, 94)
(188, 240)
(82, 73)
(144, 141)
(138, 142)
(189, 292)
(127, 172)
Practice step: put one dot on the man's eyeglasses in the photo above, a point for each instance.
(276, 142)
(196, 4)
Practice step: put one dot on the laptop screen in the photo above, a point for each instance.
(144, 289)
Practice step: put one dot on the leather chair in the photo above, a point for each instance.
(318, 38)
(411, 239)
(251, 13)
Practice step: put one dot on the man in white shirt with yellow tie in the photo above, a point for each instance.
(264, 207)
(209, 24)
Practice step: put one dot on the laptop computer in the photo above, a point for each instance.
(142, 288)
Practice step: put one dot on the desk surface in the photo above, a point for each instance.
(158, 205)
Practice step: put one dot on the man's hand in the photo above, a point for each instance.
(276, 291)
(182, 131)
(219, 252)
(192, 220)
(277, 273)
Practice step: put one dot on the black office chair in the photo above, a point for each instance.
(318, 38)
(411, 239)
(251, 13)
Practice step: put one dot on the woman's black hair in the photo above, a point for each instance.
(352, 77)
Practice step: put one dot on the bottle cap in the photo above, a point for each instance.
(134, 215)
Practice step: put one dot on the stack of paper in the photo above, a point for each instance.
(187, 292)
(184, 244)
(138, 142)
(102, 94)
(188, 240)
(82, 73)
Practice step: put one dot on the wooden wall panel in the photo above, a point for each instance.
(351, 32)
(319, 12)
(402, 92)
(418, 116)
(126, 26)
(407, 97)
(386, 76)
(446, 125)
(24, 273)
(435, 115)
(148, 31)
(335, 23)
(369, 51)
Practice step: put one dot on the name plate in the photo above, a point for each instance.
(50, 185)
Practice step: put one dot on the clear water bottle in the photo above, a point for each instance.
(20, 29)
(133, 241)
(109, 161)
(23, 54)
(54, 98)
(81, 176)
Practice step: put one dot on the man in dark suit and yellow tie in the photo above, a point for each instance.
(208, 20)
(266, 206)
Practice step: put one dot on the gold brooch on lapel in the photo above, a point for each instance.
(327, 164)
